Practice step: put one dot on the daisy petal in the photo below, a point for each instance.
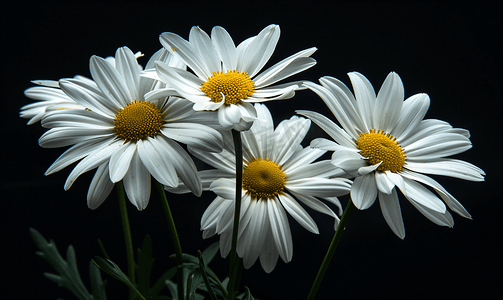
(95, 102)
(448, 167)
(137, 183)
(93, 160)
(258, 50)
(334, 99)
(349, 160)
(365, 96)
(413, 111)
(110, 82)
(127, 66)
(383, 183)
(282, 70)
(324, 144)
(239, 117)
(253, 237)
(212, 212)
(184, 166)
(347, 102)
(120, 161)
(319, 206)
(194, 135)
(75, 153)
(415, 192)
(224, 187)
(280, 230)
(441, 219)
(153, 155)
(448, 198)
(332, 129)
(288, 134)
(323, 168)
(224, 161)
(390, 208)
(364, 191)
(187, 53)
(320, 187)
(100, 187)
(437, 146)
(388, 103)
(66, 136)
(298, 213)
(204, 46)
(269, 255)
(225, 47)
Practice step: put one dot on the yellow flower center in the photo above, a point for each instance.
(234, 85)
(380, 146)
(263, 179)
(138, 120)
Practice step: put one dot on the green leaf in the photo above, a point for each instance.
(68, 277)
(186, 258)
(160, 283)
(113, 270)
(172, 289)
(246, 295)
(208, 254)
(97, 284)
(194, 280)
(103, 250)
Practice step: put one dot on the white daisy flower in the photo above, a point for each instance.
(50, 97)
(125, 137)
(277, 173)
(225, 77)
(385, 143)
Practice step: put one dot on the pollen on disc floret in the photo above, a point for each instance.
(378, 146)
(263, 179)
(138, 120)
(233, 85)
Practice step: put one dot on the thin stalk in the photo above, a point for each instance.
(236, 137)
(331, 250)
(174, 237)
(205, 277)
(127, 235)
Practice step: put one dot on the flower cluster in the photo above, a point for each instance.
(133, 124)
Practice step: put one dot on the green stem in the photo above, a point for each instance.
(236, 136)
(331, 250)
(174, 237)
(127, 235)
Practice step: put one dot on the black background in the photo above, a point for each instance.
(450, 50)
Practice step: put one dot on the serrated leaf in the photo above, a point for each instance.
(97, 284)
(113, 270)
(68, 277)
